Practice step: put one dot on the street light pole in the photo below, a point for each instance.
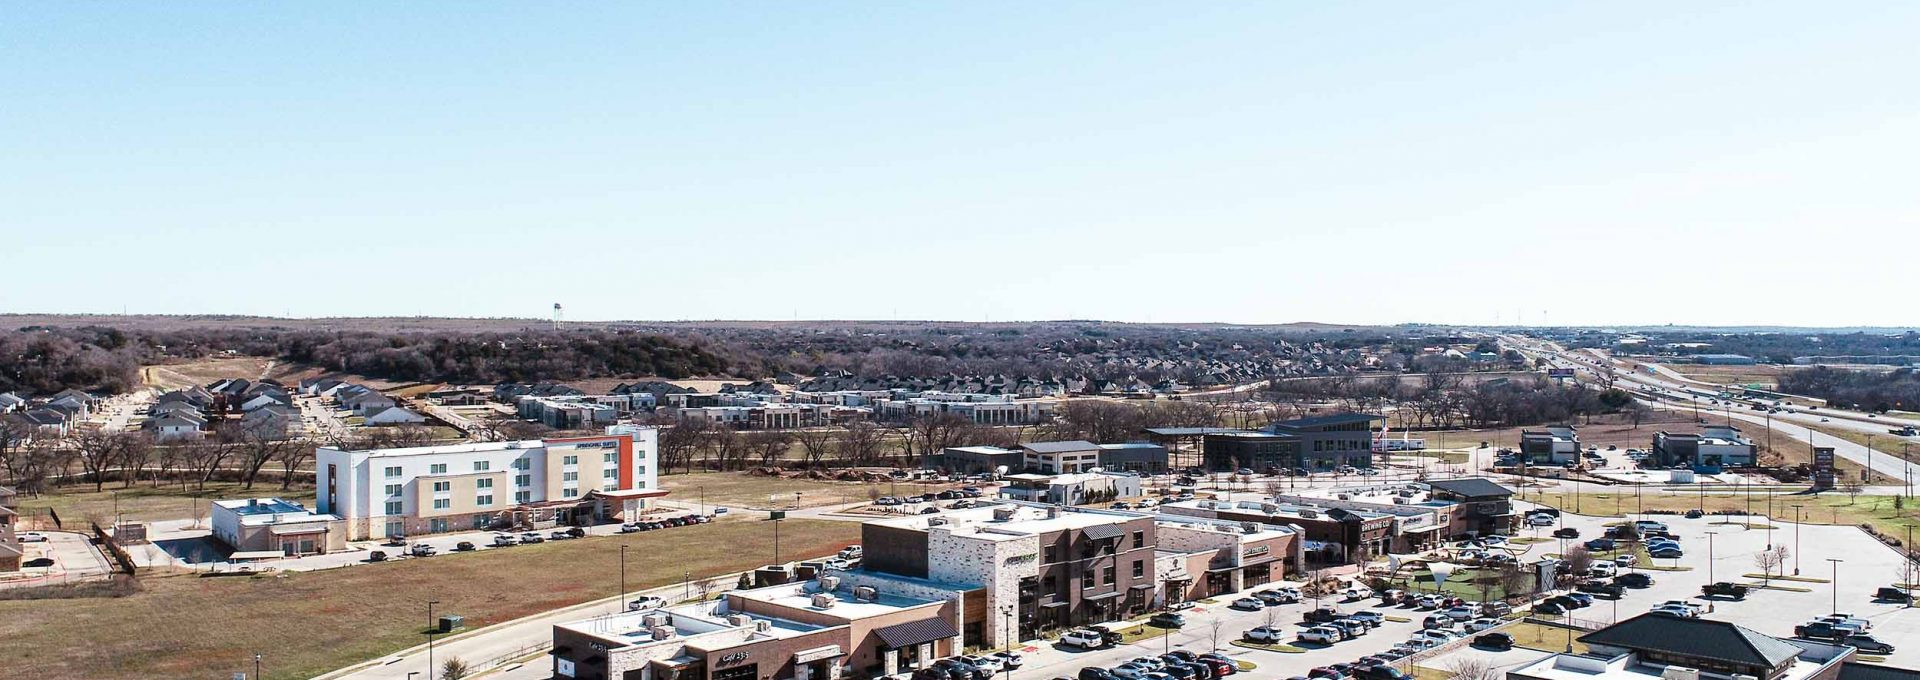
(623, 578)
(256, 666)
(1836, 582)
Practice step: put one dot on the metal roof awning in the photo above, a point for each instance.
(1101, 532)
(255, 555)
(1257, 561)
(623, 494)
(1141, 586)
(916, 632)
(1101, 597)
(1421, 530)
(1216, 570)
(297, 529)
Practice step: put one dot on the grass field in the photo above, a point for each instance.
(313, 622)
(143, 503)
(1827, 508)
(1543, 638)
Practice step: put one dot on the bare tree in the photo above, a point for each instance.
(1579, 560)
(862, 442)
(815, 444)
(678, 441)
(135, 454)
(293, 454)
(99, 450)
(770, 446)
(1852, 487)
(1514, 579)
(1466, 667)
(1767, 561)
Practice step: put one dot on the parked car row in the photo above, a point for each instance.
(668, 523)
(1178, 664)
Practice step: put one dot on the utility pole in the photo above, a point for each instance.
(623, 578)
(430, 631)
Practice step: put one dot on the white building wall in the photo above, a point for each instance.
(997, 564)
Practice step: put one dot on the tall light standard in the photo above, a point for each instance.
(1796, 540)
(431, 629)
(622, 605)
(1836, 582)
(256, 666)
(1867, 474)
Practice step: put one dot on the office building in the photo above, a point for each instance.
(1713, 446)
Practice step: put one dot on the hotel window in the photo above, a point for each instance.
(442, 503)
(480, 466)
(521, 464)
(1047, 555)
(437, 469)
(570, 476)
(569, 492)
(483, 483)
(393, 489)
(523, 480)
(439, 487)
(483, 500)
(610, 485)
(1139, 539)
(1139, 568)
(610, 458)
(1086, 580)
(395, 508)
(393, 471)
(523, 496)
(569, 460)
(1106, 574)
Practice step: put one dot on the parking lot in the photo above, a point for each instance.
(64, 556)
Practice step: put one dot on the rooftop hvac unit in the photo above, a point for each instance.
(1308, 513)
(1249, 527)
(1269, 508)
(823, 601)
(661, 632)
(1744, 677)
(1679, 673)
(1003, 514)
(1399, 500)
(741, 620)
(867, 593)
(656, 619)
(513, 445)
(762, 625)
(936, 521)
(829, 583)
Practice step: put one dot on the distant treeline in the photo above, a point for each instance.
(42, 360)
(1781, 348)
(1872, 390)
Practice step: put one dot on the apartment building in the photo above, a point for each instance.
(541, 482)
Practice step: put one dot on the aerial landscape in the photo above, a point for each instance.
(959, 341)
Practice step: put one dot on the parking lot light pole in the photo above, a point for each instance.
(430, 627)
(1796, 540)
(1836, 582)
(622, 605)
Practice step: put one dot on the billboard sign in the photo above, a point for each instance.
(1560, 373)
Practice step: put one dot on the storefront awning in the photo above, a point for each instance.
(1421, 530)
(623, 494)
(817, 654)
(1257, 561)
(1142, 586)
(916, 632)
(1101, 597)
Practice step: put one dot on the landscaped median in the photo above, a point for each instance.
(1282, 647)
(308, 623)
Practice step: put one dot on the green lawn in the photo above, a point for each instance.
(1459, 584)
(307, 623)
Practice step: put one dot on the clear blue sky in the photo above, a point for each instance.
(1212, 161)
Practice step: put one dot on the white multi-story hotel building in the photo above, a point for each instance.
(493, 485)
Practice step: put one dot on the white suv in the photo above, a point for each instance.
(1325, 635)
(1084, 639)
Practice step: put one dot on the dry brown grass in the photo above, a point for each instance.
(310, 623)
(144, 503)
(742, 490)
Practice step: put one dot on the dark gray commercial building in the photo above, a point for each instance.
(1141, 457)
(969, 460)
(1331, 441)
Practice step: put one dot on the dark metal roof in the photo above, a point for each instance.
(1471, 487)
(1697, 638)
(1853, 670)
(1101, 532)
(916, 632)
(1335, 419)
(1191, 431)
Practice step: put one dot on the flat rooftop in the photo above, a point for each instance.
(690, 624)
(470, 447)
(1594, 667)
(1028, 519)
(845, 605)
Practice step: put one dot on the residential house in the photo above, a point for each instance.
(392, 415)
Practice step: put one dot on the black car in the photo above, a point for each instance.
(377, 556)
(1167, 620)
(1566, 532)
(1891, 594)
(1181, 654)
(1611, 590)
(1094, 673)
(1381, 672)
(1600, 544)
(1494, 641)
(577, 532)
(1634, 580)
(464, 546)
(1550, 607)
